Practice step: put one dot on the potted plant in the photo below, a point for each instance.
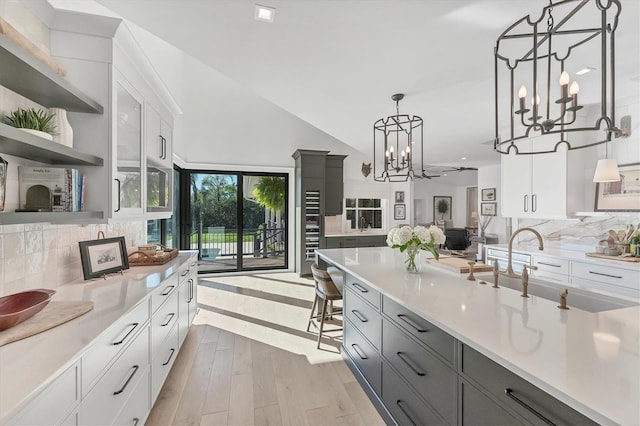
(38, 122)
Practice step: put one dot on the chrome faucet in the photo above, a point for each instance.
(509, 272)
(363, 223)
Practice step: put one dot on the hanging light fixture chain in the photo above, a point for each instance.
(550, 17)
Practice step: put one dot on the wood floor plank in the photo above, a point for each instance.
(343, 372)
(241, 411)
(226, 339)
(288, 388)
(265, 391)
(350, 420)
(337, 395)
(214, 419)
(241, 356)
(190, 407)
(211, 334)
(219, 386)
(206, 353)
(320, 416)
(268, 415)
(365, 407)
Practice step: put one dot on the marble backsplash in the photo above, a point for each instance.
(581, 234)
(44, 255)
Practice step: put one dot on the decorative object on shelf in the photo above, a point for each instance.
(38, 122)
(488, 209)
(4, 166)
(398, 147)
(441, 207)
(366, 169)
(399, 211)
(64, 132)
(103, 256)
(538, 53)
(412, 240)
(399, 196)
(623, 195)
(489, 194)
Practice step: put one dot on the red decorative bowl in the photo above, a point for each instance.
(18, 307)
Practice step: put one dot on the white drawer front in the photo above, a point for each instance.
(551, 264)
(54, 402)
(136, 409)
(111, 342)
(544, 275)
(110, 394)
(163, 321)
(606, 274)
(167, 288)
(163, 359)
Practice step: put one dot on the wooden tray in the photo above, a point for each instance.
(138, 258)
(458, 264)
(618, 258)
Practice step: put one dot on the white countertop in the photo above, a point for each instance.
(29, 364)
(568, 354)
(569, 253)
(356, 234)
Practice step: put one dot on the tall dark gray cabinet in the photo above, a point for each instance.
(319, 192)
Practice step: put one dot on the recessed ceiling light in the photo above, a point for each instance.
(584, 71)
(264, 13)
(463, 158)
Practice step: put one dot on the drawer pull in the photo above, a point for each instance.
(509, 393)
(605, 275)
(358, 315)
(170, 356)
(185, 273)
(168, 321)
(412, 323)
(133, 373)
(121, 341)
(405, 358)
(400, 404)
(549, 264)
(359, 287)
(136, 421)
(193, 263)
(190, 293)
(358, 351)
(167, 290)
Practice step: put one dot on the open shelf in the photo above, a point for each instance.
(24, 74)
(9, 218)
(25, 145)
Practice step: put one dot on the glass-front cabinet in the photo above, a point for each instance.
(159, 162)
(127, 182)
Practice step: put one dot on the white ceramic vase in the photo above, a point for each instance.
(63, 131)
(39, 133)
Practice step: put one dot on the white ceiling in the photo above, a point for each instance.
(336, 63)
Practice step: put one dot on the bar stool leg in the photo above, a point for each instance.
(313, 308)
(324, 309)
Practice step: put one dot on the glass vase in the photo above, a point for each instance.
(412, 261)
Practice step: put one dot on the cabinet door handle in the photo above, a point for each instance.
(169, 318)
(526, 203)
(167, 290)
(190, 290)
(549, 264)
(136, 421)
(412, 323)
(359, 315)
(359, 287)
(358, 351)
(118, 193)
(170, 356)
(126, 383)
(605, 275)
(185, 273)
(534, 203)
(193, 264)
(409, 362)
(121, 341)
(509, 393)
(400, 404)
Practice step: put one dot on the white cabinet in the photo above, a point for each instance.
(188, 297)
(606, 278)
(159, 162)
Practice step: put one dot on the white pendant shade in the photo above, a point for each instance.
(606, 171)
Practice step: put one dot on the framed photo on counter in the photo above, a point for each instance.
(103, 256)
(399, 212)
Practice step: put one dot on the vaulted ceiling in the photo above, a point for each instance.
(336, 63)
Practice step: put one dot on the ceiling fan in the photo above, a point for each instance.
(431, 171)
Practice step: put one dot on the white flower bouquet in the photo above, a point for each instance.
(412, 240)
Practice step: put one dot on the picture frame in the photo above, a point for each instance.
(489, 194)
(399, 211)
(488, 209)
(442, 207)
(103, 256)
(621, 196)
(399, 196)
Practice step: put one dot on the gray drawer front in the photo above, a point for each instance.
(363, 290)
(364, 356)
(421, 329)
(495, 379)
(404, 405)
(363, 317)
(432, 378)
(478, 409)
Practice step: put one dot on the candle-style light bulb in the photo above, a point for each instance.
(535, 101)
(522, 93)
(564, 78)
(408, 150)
(574, 89)
(386, 153)
(402, 154)
(391, 149)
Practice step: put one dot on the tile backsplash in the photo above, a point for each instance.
(44, 255)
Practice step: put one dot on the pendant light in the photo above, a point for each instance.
(606, 169)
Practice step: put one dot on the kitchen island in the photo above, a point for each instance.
(588, 361)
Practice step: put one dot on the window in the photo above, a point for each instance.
(368, 208)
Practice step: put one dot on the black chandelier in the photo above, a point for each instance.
(398, 146)
(545, 59)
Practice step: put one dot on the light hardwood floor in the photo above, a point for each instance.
(248, 360)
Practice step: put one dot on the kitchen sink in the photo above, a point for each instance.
(577, 298)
